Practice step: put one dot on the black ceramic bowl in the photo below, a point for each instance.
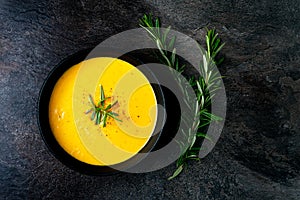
(53, 145)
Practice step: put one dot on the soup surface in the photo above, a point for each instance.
(79, 135)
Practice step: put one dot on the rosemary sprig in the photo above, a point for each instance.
(205, 86)
(214, 46)
(152, 25)
(101, 111)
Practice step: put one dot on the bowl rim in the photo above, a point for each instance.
(43, 118)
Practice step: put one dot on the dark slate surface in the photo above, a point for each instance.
(258, 155)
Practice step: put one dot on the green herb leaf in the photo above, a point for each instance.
(93, 115)
(114, 114)
(104, 120)
(91, 100)
(204, 136)
(166, 34)
(176, 173)
(115, 103)
(102, 96)
(172, 42)
(88, 111)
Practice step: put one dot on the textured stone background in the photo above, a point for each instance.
(258, 155)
